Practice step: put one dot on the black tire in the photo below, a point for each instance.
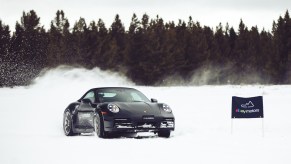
(67, 124)
(164, 133)
(99, 127)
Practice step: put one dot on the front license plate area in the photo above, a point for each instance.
(146, 125)
(148, 117)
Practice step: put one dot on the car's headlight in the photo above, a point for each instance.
(113, 108)
(166, 108)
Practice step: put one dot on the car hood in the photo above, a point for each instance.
(139, 108)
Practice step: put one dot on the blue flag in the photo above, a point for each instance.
(247, 107)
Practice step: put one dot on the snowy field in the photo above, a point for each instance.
(31, 124)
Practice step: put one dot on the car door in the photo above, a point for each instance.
(86, 112)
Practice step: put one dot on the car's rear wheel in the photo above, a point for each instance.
(164, 133)
(99, 127)
(67, 124)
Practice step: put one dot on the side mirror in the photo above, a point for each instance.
(154, 100)
(86, 101)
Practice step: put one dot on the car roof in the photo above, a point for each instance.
(110, 88)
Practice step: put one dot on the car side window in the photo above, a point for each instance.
(135, 97)
(90, 96)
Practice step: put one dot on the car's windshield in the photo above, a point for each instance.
(120, 95)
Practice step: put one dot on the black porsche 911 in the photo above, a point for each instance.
(116, 110)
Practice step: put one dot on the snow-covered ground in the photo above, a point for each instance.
(31, 124)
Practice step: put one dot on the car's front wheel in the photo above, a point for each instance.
(99, 127)
(164, 133)
(67, 124)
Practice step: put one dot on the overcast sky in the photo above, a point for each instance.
(207, 12)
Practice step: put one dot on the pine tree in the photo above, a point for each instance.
(268, 59)
(196, 49)
(28, 50)
(281, 32)
(4, 41)
(177, 40)
(240, 53)
(151, 67)
(221, 52)
(4, 47)
(92, 41)
(135, 49)
(81, 45)
(59, 48)
(115, 57)
(287, 20)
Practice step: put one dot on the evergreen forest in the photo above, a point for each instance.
(149, 52)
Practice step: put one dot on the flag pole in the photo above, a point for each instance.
(231, 127)
(263, 131)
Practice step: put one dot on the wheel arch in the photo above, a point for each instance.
(99, 112)
(70, 108)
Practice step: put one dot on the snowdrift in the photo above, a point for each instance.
(31, 124)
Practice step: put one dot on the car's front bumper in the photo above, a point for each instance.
(138, 124)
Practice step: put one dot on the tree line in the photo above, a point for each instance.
(149, 51)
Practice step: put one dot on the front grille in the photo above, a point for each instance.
(122, 123)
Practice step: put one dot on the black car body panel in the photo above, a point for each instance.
(139, 114)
